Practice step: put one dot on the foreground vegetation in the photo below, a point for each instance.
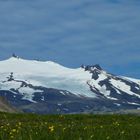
(69, 127)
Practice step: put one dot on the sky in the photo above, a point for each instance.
(73, 32)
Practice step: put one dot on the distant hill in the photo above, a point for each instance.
(5, 106)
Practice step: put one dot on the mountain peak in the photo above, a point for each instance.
(92, 67)
(97, 66)
(14, 55)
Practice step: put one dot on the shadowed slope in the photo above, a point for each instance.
(5, 106)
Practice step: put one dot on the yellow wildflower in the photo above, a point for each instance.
(51, 128)
(1, 126)
(11, 137)
(107, 137)
(101, 126)
(13, 130)
(19, 123)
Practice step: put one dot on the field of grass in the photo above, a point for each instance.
(69, 127)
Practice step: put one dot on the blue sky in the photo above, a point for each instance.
(73, 32)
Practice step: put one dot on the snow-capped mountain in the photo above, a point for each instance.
(47, 87)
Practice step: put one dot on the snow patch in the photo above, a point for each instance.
(133, 103)
(123, 87)
(117, 104)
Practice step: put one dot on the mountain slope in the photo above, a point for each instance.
(47, 87)
(5, 106)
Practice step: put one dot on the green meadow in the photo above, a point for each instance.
(69, 127)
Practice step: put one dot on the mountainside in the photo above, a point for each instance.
(47, 87)
(5, 106)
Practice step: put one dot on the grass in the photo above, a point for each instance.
(69, 127)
